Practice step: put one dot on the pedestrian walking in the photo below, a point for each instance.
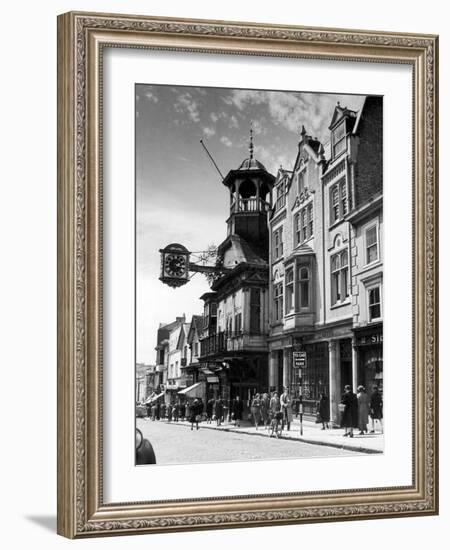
(154, 411)
(255, 409)
(162, 411)
(286, 407)
(276, 415)
(238, 410)
(169, 412)
(201, 408)
(376, 409)
(323, 411)
(218, 411)
(194, 411)
(363, 410)
(182, 408)
(274, 404)
(350, 411)
(187, 410)
(176, 411)
(265, 407)
(209, 410)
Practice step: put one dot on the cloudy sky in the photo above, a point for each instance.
(179, 194)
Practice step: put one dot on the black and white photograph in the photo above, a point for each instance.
(259, 274)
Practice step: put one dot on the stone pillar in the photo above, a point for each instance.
(273, 369)
(335, 381)
(238, 197)
(354, 365)
(287, 354)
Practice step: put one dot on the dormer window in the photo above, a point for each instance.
(338, 139)
(281, 197)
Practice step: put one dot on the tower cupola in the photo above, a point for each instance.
(250, 187)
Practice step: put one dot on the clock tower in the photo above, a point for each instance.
(250, 187)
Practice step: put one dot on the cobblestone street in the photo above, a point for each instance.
(176, 444)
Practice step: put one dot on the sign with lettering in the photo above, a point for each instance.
(370, 339)
(299, 359)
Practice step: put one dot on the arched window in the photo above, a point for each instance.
(304, 284)
(339, 277)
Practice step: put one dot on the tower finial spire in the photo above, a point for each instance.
(251, 140)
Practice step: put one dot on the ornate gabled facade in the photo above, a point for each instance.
(314, 267)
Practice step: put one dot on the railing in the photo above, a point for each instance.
(227, 341)
(249, 205)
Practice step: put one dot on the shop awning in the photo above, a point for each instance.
(193, 391)
(154, 398)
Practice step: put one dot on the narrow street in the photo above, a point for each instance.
(176, 444)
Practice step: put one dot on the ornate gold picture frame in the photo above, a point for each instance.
(82, 39)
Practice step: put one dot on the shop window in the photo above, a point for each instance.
(289, 290)
(304, 285)
(374, 303)
(371, 237)
(339, 277)
(315, 376)
(338, 201)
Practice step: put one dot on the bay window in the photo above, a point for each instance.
(289, 290)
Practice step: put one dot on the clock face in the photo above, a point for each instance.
(175, 265)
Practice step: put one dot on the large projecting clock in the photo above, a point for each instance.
(174, 265)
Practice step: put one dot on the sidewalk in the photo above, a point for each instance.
(312, 433)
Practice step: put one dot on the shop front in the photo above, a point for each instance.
(368, 343)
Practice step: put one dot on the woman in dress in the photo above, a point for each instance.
(265, 405)
(194, 412)
(363, 410)
(350, 412)
(323, 411)
(238, 410)
(218, 410)
(209, 410)
(255, 409)
(286, 407)
(376, 409)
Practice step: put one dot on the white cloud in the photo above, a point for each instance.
(186, 104)
(233, 122)
(150, 95)
(214, 117)
(226, 141)
(208, 131)
(292, 110)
